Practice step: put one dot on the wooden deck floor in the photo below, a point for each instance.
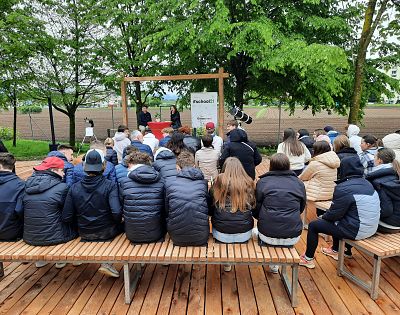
(197, 289)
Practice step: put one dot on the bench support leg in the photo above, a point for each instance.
(291, 285)
(375, 278)
(305, 225)
(130, 283)
(340, 258)
(1, 270)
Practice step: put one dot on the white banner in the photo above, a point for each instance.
(204, 108)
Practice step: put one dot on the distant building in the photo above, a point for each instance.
(395, 74)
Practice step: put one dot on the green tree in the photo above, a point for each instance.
(273, 49)
(68, 68)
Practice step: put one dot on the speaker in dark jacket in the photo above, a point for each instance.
(11, 212)
(142, 193)
(187, 202)
(43, 202)
(94, 204)
(281, 198)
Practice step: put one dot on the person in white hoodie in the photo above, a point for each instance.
(392, 141)
(121, 141)
(354, 138)
(151, 140)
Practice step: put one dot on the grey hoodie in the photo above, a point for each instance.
(120, 143)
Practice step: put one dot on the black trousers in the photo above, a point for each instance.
(325, 227)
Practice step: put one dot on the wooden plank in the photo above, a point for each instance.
(153, 295)
(10, 250)
(288, 254)
(74, 251)
(238, 253)
(92, 253)
(175, 253)
(131, 253)
(166, 296)
(213, 290)
(245, 253)
(196, 253)
(41, 256)
(64, 253)
(29, 254)
(126, 246)
(168, 251)
(121, 243)
(259, 253)
(295, 255)
(156, 250)
(141, 251)
(110, 246)
(265, 304)
(163, 249)
(231, 252)
(252, 252)
(181, 291)
(281, 255)
(177, 77)
(273, 254)
(229, 291)
(217, 255)
(149, 250)
(203, 253)
(247, 301)
(189, 253)
(182, 254)
(210, 249)
(23, 271)
(141, 290)
(56, 250)
(197, 290)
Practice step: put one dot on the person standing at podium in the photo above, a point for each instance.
(175, 118)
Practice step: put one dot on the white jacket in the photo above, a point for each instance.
(355, 140)
(392, 141)
(120, 143)
(151, 141)
(296, 162)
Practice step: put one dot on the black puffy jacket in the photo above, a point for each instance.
(111, 156)
(43, 202)
(94, 204)
(225, 221)
(308, 142)
(345, 152)
(144, 206)
(281, 198)
(11, 212)
(387, 184)
(165, 163)
(187, 202)
(242, 149)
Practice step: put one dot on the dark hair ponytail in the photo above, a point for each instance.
(389, 156)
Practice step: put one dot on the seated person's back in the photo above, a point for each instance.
(233, 195)
(165, 163)
(281, 198)
(11, 194)
(187, 201)
(206, 159)
(142, 193)
(385, 179)
(43, 201)
(94, 202)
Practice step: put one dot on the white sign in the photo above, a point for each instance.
(204, 108)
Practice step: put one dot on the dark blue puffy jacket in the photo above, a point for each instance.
(187, 202)
(281, 198)
(111, 156)
(79, 173)
(43, 202)
(121, 171)
(355, 205)
(142, 147)
(94, 204)
(387, 184)
(11, 212)
(165, 163)
(68, 167)
(144, 206)
(163, 142)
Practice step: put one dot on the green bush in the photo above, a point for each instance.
(26, 109)
(6, 133)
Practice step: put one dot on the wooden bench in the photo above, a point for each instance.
(120, 250)
(378, 247)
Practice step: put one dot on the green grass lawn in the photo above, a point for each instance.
(31, 149)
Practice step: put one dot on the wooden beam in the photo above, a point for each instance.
(124, 103)
(179, 77)
(221, 103)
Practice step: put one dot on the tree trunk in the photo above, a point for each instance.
(15, 121)
(71, 117)
(239, 92)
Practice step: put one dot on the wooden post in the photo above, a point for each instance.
(124, 103)
(221, 112)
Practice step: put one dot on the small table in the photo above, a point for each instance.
(156, 128)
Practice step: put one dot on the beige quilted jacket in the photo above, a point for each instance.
(320, 175)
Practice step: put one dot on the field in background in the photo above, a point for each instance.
(378, 121)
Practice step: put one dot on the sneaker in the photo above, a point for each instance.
(348, 255)
(306, 263)
(254, 233)
(76, 264)
(60, 265)
(227, 268)
(109, 270)
(328, 251)
(274, 268)
(40, 264)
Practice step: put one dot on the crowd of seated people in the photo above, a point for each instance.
(176, 187)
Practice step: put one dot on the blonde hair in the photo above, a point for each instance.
(340, 143)
(109, 142)
(235, 185)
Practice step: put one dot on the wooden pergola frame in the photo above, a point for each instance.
(221, 75)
